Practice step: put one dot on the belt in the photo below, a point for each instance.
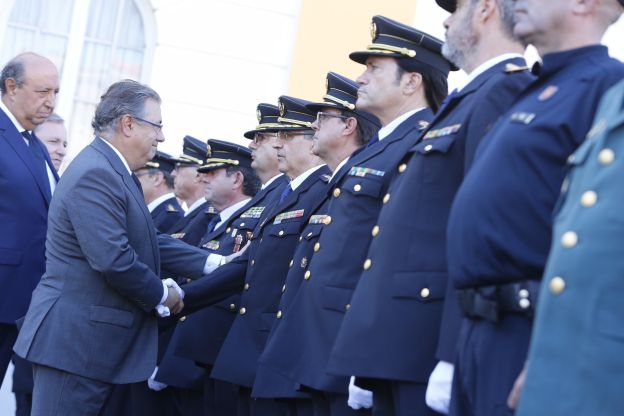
(491, 302)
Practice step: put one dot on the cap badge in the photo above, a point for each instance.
(373, 30)
(282, 109)
(259, 115)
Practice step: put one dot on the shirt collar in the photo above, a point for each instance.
(226, 213)
(123, 159)
(195, 205)
(11, 117)
(294, 184)
(270, 181)
(152, 205)
(485, 66)
(386, 130)
(341, 164)
(556, 61)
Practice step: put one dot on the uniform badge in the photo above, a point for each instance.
(511, 68)
(171, 208)
(548, 92)
(178, 236)
(253, 212)
(441, 132)
(362, 171)
(304, 262)
(282, 109)
(237, 243)
(211, 210)
(208, 152)
(212, 245)
(259, 115)
(288, 215)
(327, 84)
(317, 219)
(422, 124)
(522, 117)
(234, 231)
(373, 30)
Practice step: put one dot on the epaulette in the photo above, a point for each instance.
(512, 68)
(325, 178)
(171, 208)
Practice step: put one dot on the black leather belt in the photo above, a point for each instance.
(491, 302)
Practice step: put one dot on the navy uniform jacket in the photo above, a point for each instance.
(179, 229)
(500, 224)
(25, 197)
(199, 336)
(260, 272)
(576, 360)
(269, 382)
(307, 332)
(166, 214)
(400, 296)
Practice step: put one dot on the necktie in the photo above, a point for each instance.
(137, 182)
(372, 141)
(31, 144)
(287, 191)
(212, 224)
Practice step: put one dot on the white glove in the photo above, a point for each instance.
(153, 384)
(438, 396)
(359, 398)
(161, 309)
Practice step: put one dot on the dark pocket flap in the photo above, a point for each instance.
(369, 185)
(244, 224)
(422, 286)
(226, 304)
(10, 257)
(111, 316)
(312, 231)
(336, 298)
(285, 228)
(438, 145)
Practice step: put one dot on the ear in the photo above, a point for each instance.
(584, 7)
(485, 10)
(159, 178)
(237, 180)
(10, 86)
(412, 82)
(350, 126)
(125, 125)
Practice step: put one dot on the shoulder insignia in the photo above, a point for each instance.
(304, 262)
(253, 212)
(362, 171)
(212, 245)
(444, 131)
(317, 219)
(522, 117)
(513, 68)
(171, 208)
(211, 210)
(325, 178)
(422, 124)
(288, 215)
(548, 92)
(178, 236)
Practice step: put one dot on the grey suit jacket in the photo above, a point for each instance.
(92, 314)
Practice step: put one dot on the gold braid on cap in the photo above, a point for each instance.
(191, 159)
(339, 101)
(381, 47)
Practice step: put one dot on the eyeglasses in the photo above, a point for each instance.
(321, 115)
(287, 135)
(260, 137)
(158, 127)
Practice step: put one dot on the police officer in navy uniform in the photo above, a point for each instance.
(157, 185)
(499, 230)
(188, 188)
(404, 81)
(340, 130)
(580, 303)
(261, 271)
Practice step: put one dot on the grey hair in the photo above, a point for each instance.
(121, 98)
(54, 118)
(13, 69)
(506, 13)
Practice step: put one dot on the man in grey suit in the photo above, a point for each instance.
(92, 321)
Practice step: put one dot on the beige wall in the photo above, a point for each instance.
(328, 31)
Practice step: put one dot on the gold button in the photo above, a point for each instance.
(606, 156)
(524, 303)
(232, 307)
(246, 287)
(189, 280)
(367, 264)
(569, 239)
(357, 188)
(386, 198)
(402, 167)
(424, 292)
(253, 262)
(227, 230)
(523, 293)
(589, 199)
(300, 238)
(347, 307)
(182, 318)
(279, 314)
(307, 275)
(291, 263)
(557, 285)
(375, 231)
(309, 234)
(428, 148)
(242, 224)
(327, 220)
(317, 247)
(242, 311)
(336, 192)
(281, 233)
(283, 288)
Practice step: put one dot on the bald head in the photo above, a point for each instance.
(29, 84)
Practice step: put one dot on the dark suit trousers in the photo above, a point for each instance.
(58, 393)
(398, 398)
(334, 404)
(8, 335)
(247, 406)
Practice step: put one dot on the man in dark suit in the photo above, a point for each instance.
(92, 319)
(157, 184)
(29, 84)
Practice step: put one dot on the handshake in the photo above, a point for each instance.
(173, 303)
